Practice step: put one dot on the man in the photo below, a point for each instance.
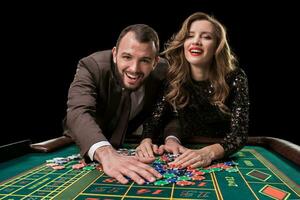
(112, 93)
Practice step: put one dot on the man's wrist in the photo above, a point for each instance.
(95, 146)
(103, 151)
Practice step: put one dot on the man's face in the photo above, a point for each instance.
(134, 60)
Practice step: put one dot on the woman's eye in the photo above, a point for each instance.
(208, 37)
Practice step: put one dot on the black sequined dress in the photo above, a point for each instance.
(201, 118)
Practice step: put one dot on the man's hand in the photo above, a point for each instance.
(118, 166)
(173, 146)
(146, 150)
(200, 157)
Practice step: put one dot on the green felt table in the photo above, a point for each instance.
(262, 174)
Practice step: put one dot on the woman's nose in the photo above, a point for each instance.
(196, 40)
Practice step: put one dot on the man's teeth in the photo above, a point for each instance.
(132, 76)
(196, 51)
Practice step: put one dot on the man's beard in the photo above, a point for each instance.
(121, 77)
(141, 83)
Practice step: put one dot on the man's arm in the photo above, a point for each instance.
(81, 104)
(83, 128)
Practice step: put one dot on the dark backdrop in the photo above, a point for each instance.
(42, 44)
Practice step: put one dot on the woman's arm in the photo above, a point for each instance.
(239, 106)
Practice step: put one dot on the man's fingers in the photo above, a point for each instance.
(148, 172)
(120, 178)
(136, 157)
(134, 176)
(142, 170)
(120, 167)
(131, 169)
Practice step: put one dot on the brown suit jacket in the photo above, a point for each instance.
(94, 97)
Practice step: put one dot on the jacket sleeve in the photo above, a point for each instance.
(239, 106)
(81, 106)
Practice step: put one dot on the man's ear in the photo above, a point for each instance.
(114, 53)
(156, 61)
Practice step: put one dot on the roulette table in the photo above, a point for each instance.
(266, 168)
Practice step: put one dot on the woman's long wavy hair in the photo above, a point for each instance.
(179, 72)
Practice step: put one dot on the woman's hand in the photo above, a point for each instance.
(172, 145)
(146, 151)
(200, 157)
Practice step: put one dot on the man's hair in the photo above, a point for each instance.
(143, 33)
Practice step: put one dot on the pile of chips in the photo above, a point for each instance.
(126, 152)
(58, 163)
(185, 176)
(171, 174)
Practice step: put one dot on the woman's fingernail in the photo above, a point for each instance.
(152, 179)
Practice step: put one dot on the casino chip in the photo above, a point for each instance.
(161, 182)
(185, 183)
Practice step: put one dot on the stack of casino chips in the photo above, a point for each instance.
(58, 163)
(185, 176)
(126, 152)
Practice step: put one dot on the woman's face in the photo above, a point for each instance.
(200, 45)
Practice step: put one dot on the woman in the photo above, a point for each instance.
(207, 92)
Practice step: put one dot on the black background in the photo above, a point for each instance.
(42, 43)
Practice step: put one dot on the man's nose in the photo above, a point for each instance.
(134, 67)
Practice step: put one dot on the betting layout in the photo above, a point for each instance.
(70, 177)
